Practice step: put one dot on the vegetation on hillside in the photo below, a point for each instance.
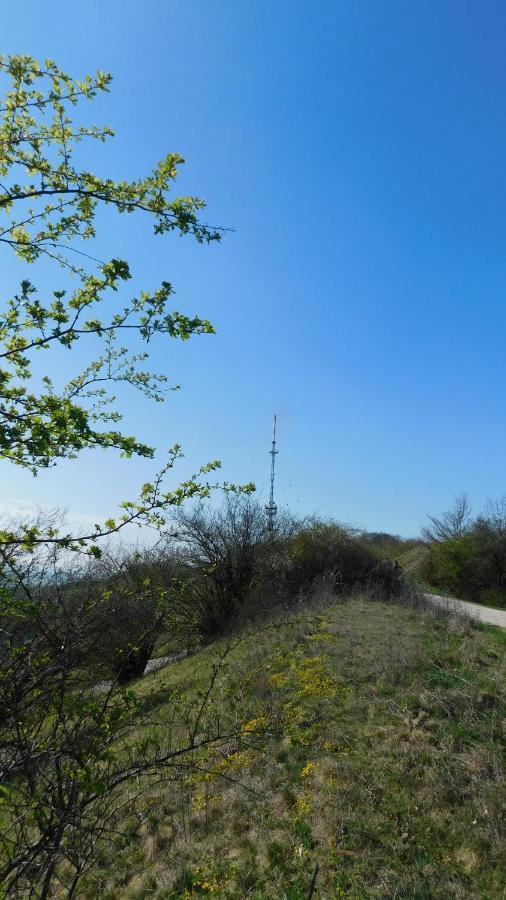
(295, 697)
(77, 748)
(367, 748)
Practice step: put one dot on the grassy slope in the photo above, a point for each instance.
(372, 739)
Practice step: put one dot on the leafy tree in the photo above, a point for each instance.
(50, 206)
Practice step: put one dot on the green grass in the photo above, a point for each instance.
(498, 633)
(369, 742)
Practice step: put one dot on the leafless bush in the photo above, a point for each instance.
(224, 551)
(73, 763)
(453, 523)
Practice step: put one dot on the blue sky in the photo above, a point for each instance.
(358, 150)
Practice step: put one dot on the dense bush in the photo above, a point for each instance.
(392, 545)
(470, 562)
(452, 566)
(346, 558)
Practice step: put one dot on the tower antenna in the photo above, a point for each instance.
(271, 508)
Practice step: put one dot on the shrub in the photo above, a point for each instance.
(341, 555)
(452, 566)
(471, 563)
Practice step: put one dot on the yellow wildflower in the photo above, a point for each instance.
(232, 763)
(313, 680)
(255, 725)
(308, 770)
(279, 680)
(303, 806)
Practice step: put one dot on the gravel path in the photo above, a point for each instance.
(155, 664)
(474, 610)
(152, 666)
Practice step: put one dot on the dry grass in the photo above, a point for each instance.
(370, 741)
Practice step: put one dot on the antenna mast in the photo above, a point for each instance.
(271, 508)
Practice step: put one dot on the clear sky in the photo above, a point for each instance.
(359, 151)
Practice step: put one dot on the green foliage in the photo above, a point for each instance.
(452, 564)
(51, 203)
(472, 564)
(151, 508)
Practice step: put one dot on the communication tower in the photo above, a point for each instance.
(271, 508)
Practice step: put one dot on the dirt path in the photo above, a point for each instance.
(474, 610)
